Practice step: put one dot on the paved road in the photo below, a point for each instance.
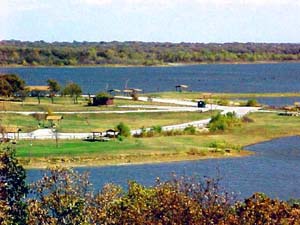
(184, 106)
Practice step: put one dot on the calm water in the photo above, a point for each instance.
(208, 78)
(274, 170)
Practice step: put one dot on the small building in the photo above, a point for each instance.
(54, 119)
(102, 101)
(110, 133)
(181, 87)
(13, 131)
(38, 90)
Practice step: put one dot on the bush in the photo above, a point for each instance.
(224, 102)
(190, 130)
(252, 103)
(221, 122)
(123, 130)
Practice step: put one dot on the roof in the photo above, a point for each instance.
(38, 88)
(114, 90)
(182, 86)
(136, 89)
(12, 129)
(128, 90)
(54, 117)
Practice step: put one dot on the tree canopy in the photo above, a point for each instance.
(140, 53)
(11, 85)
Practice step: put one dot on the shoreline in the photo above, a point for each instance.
(156, 65)
(120, 160)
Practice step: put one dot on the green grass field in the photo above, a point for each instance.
(266, 126)
(88, 122)
(65, 104)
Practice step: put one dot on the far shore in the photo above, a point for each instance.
(141, 65)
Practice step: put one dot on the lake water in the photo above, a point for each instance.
(250, 78)
(274, 170)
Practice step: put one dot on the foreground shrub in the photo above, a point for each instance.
(13, 189)
(65, 197)
(61, 197)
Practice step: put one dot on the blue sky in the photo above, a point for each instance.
(151, 20)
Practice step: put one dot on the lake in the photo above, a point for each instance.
(274, 170)
(235, 78)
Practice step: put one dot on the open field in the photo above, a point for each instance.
(65, 104)
(86, 123)
(266, 126)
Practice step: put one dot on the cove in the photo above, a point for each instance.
(273, 170)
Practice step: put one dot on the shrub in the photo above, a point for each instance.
(252, 103)
(123, 129)
(224, 102)
(156, 129)
(221, 122)
(190, 130)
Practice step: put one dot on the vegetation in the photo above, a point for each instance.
(11, 85)
(64, 196)
(74, 90)
(54, 88)
(140, 53)
(100, 121)
(221, 122)
(252, 102)
(13, 189)
(123, 130)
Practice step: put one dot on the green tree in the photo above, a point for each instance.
(123, 129)
(15, 82)
(54, 88)
(74, 90)
(13, 188)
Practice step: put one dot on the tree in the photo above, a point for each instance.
(62, 196)
(123, 129)
(13, 188)
(54, 88)
(5, 88)
(74, 90)
(15, 82)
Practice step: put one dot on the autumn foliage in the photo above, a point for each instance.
(64, 196)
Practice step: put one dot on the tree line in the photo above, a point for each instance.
(65, 197)
(41, 53)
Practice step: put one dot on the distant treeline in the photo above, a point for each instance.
(140, 53)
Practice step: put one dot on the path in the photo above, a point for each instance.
(184, 106)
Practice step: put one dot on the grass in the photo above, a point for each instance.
(88, 122)
(266, 126)
(198, 95)
(65, 104)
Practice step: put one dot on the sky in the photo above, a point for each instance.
(151, 20)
